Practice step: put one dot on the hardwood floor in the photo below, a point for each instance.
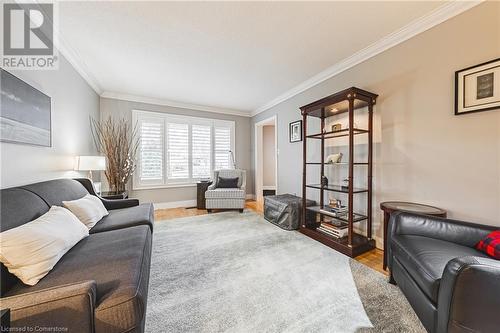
(372, 259)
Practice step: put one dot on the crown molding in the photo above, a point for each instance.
(175, 104)
(77, 63)
(68, 53)
(424, 23)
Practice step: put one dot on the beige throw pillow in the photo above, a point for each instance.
(31, 250)
(88, 209)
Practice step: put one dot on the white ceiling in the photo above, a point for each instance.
(221, 55)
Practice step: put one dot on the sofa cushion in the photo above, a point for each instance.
(425, 259)
(118, 261)
(19, 206)
(53, 192)
(227, 182)
(490, 244)
(225, 193)
(31, 250)
(88, 209)
(126, 217)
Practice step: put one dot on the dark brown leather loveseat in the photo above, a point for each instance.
(451, 286)
(101, 284)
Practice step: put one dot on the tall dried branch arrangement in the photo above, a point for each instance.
(117, 139)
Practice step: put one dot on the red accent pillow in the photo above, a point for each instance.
(490, 244)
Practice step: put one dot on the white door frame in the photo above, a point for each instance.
(259, 165)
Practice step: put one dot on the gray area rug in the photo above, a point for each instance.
(232, 272)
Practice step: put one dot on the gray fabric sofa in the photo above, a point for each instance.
(451, 286)
(101, 284)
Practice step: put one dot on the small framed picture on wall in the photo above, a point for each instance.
(477, 88)
(295, 131)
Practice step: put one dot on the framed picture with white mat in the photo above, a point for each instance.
(477, 88)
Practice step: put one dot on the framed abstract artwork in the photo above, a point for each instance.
(295, 131)
(477, 88)
(25, 112)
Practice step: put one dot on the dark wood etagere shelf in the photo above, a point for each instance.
(346, 101)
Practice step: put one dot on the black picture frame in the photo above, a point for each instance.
(461, 93)
(295, 131)
(40, 110)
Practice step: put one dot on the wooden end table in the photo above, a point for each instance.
(392, 206)
(201, 188)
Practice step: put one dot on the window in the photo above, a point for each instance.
(176, 150)
(150, 150)
(222, 147)
(202, 151)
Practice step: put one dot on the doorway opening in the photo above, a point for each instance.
(266, 158)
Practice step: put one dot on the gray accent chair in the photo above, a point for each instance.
(451, 286)
(101, 284)
(227, 198)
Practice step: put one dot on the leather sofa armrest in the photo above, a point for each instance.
(67, 308)
(468, 296)
(459, 232)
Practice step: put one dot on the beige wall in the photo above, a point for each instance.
(268, 157)
(426, 153)
(121, 108)
(73, 101)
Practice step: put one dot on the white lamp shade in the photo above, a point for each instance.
(87, 163)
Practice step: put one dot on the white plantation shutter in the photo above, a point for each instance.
(151, 150)
(222, 146)
(201, 136)
(178, 151)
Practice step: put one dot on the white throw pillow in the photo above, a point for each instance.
(31, 250)
(88, 209)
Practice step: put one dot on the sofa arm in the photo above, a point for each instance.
(119, 203)
(459, 232)
(468, 299)
(67, 308)
(212, 186)
(109, 204)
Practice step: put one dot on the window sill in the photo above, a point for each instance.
(159, 187)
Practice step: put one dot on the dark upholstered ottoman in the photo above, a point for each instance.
(284, 210)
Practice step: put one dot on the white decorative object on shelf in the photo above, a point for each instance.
(334, 158)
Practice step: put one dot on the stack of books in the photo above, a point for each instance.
(334, 211)
(336, 229)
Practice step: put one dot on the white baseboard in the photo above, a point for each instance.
(174, 204)
(272, 187)
(185, 203)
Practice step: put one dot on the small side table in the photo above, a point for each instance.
(5, 320)
(391, 206)
(201, 188)
(114, 195)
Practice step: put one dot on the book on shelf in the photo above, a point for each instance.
(334, 225)
(337, 233)
(335, 209)
(333, 213)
